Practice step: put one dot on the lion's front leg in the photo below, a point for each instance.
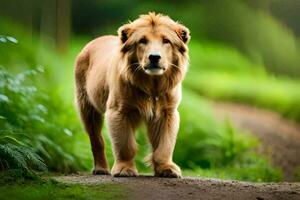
(121, 127)
(162, 133)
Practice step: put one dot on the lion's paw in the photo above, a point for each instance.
(100, 171)
(125, 173)
(124, 170)
(168, 171)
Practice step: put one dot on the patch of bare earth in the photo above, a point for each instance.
(148, 188)
(280, 137)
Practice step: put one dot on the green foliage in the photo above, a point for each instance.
(15, 152)
(20, 157)
(28, 132)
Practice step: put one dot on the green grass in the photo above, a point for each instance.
(258, 170)
(297, 173)
(50, 191)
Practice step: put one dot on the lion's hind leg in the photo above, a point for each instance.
(91, 118)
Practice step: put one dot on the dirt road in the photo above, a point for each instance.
(148, 188)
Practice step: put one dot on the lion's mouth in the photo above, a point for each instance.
(154, 69)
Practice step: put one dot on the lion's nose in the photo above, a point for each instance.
(154, 57)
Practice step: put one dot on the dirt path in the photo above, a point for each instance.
(280, 137)
(148, 188)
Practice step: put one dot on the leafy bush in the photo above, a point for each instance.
(29, 136)
(15, 149)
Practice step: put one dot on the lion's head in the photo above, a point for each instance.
(155, 45)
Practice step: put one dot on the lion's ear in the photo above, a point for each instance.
(124, 32)
(183, 33)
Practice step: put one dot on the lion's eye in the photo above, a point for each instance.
(166, 41)
(143, 41)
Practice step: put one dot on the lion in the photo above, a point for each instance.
(132, 78)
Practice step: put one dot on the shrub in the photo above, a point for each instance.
(30, 137)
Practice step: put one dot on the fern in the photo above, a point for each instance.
(28, 132)
(13, 157)
(20, 114)
(15, 154)
(33, 159)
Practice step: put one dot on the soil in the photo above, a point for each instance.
(148, 188)
(280, 137)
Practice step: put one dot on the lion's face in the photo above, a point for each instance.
(153, 51)
(155, 44)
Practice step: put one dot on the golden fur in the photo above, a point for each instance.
(113, 77)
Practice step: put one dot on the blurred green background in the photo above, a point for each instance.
(241, 51)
